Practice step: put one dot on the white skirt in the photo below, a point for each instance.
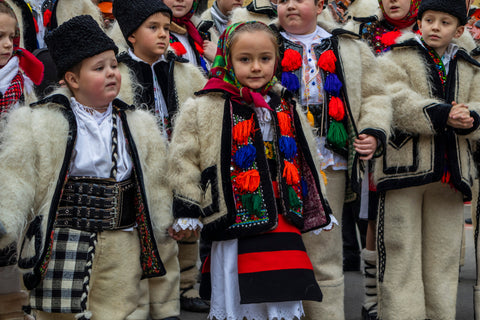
(225, 300)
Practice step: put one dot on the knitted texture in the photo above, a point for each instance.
(75, 40)
(131, 14)
(456, 8)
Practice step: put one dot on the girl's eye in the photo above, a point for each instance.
(266, 58)
(244, 59)
(98, 68)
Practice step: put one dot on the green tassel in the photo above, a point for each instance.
(337, 135)
(293, 199)
(253, 203)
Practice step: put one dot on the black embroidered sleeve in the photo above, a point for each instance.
(438, 115)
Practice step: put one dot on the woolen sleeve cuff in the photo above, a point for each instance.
(186, 208)
(438, 115)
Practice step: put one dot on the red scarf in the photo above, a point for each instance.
(13, 94)
(191, 30)
(406, 21)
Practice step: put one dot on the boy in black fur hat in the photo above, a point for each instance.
(166, 82)
(83, 179)
(427, 170)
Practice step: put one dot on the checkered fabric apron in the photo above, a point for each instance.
(13, 93)
(64, 288)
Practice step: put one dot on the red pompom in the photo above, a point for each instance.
(242, 131)
(248, 181)
(199, 48)
(178, 48)
(290, 173)
(32, 67)
(292, 60)
(327, 61)
(47, 17)
(336, 109)
(284, 123)
(390, 38)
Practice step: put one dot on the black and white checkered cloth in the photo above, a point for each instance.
(64, 287)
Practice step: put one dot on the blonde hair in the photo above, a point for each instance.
(6, 9)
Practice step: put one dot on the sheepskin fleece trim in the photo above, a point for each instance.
(363, 8)
(67, 9)
(410, 86)
(191, 153)
(32, 154)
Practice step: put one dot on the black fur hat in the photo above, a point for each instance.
(457, 8)
(75, 40)
(131, 14)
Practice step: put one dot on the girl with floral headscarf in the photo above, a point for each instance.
(243, 162)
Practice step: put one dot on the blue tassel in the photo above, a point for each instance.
(288, 147)
(290, 81)
(204, 65)
(304, 188)
(245, 156)
(333, 85)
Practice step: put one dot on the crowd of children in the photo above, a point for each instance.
(246, 129)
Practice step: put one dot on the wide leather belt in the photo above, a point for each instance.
(95, 205)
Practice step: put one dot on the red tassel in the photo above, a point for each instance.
(290, 173)
(242, 130)
(390, 38)
(199, 48)
(327, 61)
(32, 67)
(248, 181)
(292, 60)
(178, 48)
(284, 123)
(35, 24)
(47, 17)
(336, 109)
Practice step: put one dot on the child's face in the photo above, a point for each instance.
(226, 6)
(299, 16)
(439, 29)
(7, 34)
(253, 59)
(98, 81)
(179, 7)
(150, 40)
(396, 9)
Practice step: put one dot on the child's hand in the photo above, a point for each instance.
(209, 50)
(365, 145)
(182, 234)
(459, 117)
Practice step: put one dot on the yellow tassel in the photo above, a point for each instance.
(310, 118)
(324, 176)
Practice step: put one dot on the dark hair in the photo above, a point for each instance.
(252, 27)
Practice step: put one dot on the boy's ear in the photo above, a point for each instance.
(459, 32)
(132, 38)
(320, 6)
(71, 79)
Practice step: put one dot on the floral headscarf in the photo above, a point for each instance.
(222, 75)
(406, 21)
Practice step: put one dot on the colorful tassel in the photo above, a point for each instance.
(390, 38)
(178, 48)
(253, 203)
(288, 147)
(293, 199)
(242, 131)
(327, 61)
(203, 64)
(248, 181)
(337, 135)
(245, 156)
(324, 176)
(304, 185)
(199, 48)
(310, 118)
(290, 81)
(47, 17)
(336, 109)
(290, 173)
(284, 123)
(333, 85)
(292, 60)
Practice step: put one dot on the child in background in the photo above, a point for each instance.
(185, 39)
(427, 171)
(166, 82)
(83, 179)
(336, 80)
(243, 157)
(19, 69)
(216, 19)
